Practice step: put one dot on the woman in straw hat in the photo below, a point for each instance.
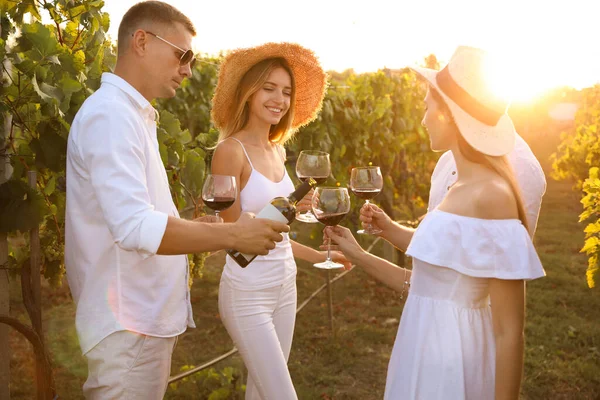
(462, 329)
(263, 95)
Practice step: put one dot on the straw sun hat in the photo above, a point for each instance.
(311, 80)
(480, 116)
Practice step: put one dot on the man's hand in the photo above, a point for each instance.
(257, 235)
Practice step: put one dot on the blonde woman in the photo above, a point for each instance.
(263, 95)
(461, 335)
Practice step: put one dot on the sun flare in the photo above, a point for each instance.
(512, 79)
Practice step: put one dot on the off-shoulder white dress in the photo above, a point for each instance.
(445, 347)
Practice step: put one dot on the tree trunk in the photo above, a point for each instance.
(4, 329)
(5, 173)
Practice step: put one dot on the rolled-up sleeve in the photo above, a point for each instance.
(112, 148)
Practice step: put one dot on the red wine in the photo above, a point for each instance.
(318, 179)
(331, 219)
(366, 194)
(219, 203)
(282, 209)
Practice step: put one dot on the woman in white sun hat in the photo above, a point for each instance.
(461, 335)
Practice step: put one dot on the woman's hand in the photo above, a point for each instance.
(211, 219)
(305, 204)
(344, 242)
(338, 257)
(372, 215)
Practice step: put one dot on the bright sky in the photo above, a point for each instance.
(543, 43)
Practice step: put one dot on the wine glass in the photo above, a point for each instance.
(219, 192)
(366, 183)
(312, 164)
(330, 205)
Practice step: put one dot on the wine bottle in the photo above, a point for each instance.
(282, 209)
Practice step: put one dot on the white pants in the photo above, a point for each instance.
(261, 324)
(128, 365)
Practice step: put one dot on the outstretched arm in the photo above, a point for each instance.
(398, 235)
(384, 271)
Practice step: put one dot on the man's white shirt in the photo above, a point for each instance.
(528, 172)
(118, 202)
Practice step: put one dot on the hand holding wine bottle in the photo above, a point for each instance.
(281, 209)
(256, 236)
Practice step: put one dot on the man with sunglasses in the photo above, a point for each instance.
(125, 244)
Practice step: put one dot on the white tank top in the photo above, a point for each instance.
(279, 265)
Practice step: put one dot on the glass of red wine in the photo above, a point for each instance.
(312, 164)
(330, 205)
(366, 183)
(219, 192)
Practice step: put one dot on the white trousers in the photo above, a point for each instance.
(129, 365)
(261, 324)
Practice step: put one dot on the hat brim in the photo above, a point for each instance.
(495, 140)
(310, 80)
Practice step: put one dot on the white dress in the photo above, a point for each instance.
(445, 346)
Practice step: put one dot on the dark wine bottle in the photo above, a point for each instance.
(282, 209)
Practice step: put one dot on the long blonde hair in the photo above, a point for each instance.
(498, 164)
(251, 82)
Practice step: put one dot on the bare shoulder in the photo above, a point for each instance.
(228, 158)
(495, 199)
(282, 151)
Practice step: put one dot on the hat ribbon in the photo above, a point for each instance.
(464, 100)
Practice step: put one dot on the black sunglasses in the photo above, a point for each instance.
(187, 56)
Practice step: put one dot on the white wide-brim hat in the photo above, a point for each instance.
(480, 116)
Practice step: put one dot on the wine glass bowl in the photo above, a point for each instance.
(366, 183)
(330, 205)
(312, 164)
(219, 192)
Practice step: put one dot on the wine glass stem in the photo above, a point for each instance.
(367, 202)
(328, 249)
(217, 215)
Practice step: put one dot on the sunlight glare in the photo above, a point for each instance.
(512, 78)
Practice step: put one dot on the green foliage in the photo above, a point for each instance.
(591, 204)
(51, 69)
(48, 72)
(578, 158)
(211, 384)
(19, 207)
(368, 118)
(375, 119)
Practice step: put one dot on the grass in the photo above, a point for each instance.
(562, 358)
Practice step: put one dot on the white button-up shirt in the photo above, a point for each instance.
(118, 202)
(528, 172)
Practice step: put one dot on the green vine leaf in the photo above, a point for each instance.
(21, 208)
